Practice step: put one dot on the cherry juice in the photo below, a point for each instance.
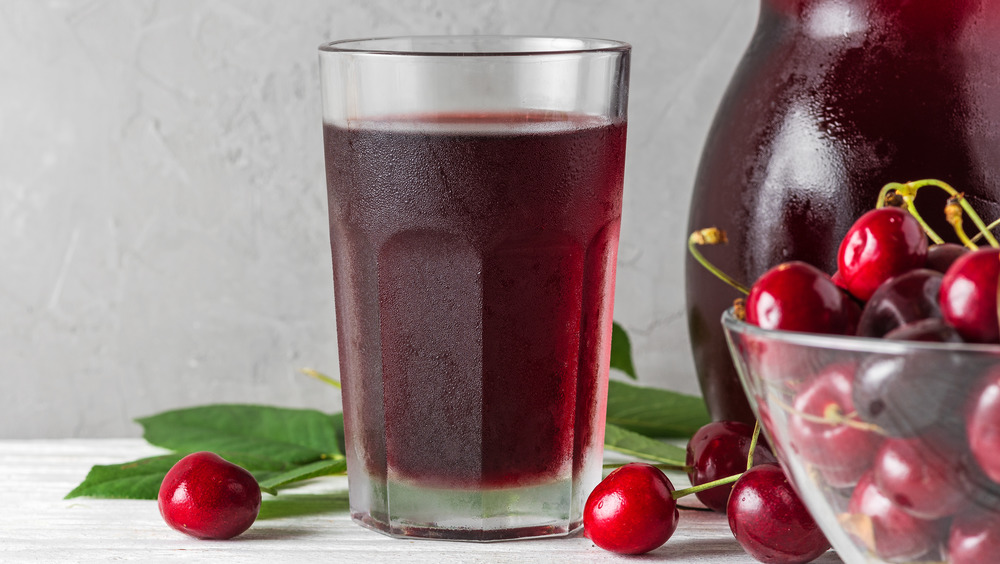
(474, 263)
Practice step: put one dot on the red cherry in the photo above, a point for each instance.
(881, 244)
(795, 296)
(841, 451)
(920, 475)
(983, 424)
(631, 511)
(770, 521)
(890, 532)
(718, 450)
(931, 330)
(207, 497)
(974, 538)
(969, 296)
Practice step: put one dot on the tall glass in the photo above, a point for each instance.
(475, 188)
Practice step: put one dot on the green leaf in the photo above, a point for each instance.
(654, 412)
(338, 428)
(626, 442)
(299, 505)
(621, 351)
(316, 469)
(291, 436)
(139, 479)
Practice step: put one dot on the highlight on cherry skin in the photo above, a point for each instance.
(208, 497)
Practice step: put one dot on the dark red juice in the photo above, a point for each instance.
(832, 100)
(474, 261)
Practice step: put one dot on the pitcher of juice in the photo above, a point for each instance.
(832, 100)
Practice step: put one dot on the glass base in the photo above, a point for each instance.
(471, 515)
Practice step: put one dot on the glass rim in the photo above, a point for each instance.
(850, 342)
(586, 45)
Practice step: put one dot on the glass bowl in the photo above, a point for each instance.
(894, 446)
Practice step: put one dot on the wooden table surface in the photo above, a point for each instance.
(305, 524)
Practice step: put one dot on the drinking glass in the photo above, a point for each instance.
(475, 188)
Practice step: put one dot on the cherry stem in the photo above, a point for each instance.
(677, 494)
(833, 415)
(321, 377)
(712, 236)
(989, 228)
(953, 215)
(909, 190)
(907, 194)
(753, 443)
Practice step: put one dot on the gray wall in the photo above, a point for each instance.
(162, 208)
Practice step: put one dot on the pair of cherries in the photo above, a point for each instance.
(634, 510)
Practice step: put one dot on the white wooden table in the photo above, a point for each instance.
(38, 525)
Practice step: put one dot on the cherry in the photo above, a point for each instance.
(974, 538)
(902, 299)
(884, 528)
(795, 296)
(983, 424)
(207, 497)
(770, 521)
(907, 394)
(920, 475)
(632, 510)
(969, 296)
(881, 244)
(941, 256)
(820, 432)
(718, 450)
(928, 330)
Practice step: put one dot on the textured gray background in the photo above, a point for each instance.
(162, 203)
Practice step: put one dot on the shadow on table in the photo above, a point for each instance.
(297, 505)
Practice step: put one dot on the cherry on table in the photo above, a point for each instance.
(796, 296)
(631, 511)
(208, 497)
(969, 296)
(719, 450)
(770, 521)
(882, 243)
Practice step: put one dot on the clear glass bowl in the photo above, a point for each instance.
(894, 446)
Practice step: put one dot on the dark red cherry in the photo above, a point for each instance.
(940, 257)
(882, 243)
(887, 530)
(795, 296)
(909, 393)
(902, 299)
(718, 450)
(921, 475)
(932, 330)
(974, 538)
(820, 433)
(969, 296)
(770, 521)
